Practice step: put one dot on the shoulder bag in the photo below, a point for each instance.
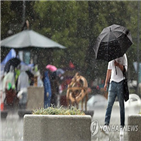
(125, 85)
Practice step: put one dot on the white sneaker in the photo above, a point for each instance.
(105, 129)
(121, 131)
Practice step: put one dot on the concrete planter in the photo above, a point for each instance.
(57, 128)
(35, 98)
(134, 124)
(91, 113)
(22, 112)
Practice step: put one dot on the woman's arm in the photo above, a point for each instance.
(108, 76)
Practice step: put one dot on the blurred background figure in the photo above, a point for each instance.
(23, 84)
(9, 87)
(9, 80)
(53, 76)
(39, 80)
(54, 88)
(2, 95)
(17, 73)
(47, 90)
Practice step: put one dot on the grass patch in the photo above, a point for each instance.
(58, 111)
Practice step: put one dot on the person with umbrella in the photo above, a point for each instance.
(111, 45)
(54, 83)
(115, 77)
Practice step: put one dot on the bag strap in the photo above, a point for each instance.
(124, 72)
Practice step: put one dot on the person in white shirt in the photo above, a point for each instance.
(115, 78)
(23, 84)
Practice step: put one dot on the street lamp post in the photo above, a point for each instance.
(23, 11)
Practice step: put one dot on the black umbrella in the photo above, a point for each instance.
(12, 62)
(112, 42)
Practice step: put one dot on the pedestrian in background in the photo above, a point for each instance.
(23, 84)
(9, 87)
(2, 94)
(54, 88)
(47, 89)
(9, 80)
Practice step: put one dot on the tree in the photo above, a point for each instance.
(76, 25)
(105, 14)
(6, 18)
(64, 22)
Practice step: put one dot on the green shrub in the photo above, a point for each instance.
(58, 111)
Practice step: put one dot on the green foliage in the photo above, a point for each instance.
(76, 25)
(58, 111)
(5, 20)
(67, 24)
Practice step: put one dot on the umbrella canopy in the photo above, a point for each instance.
(12, 62)
(29, 38)
(51, 67)
(60, 72)
(112, 42)
(10, 55)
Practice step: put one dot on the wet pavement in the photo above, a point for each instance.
(12, 126)
(114, 127)
(114, 131)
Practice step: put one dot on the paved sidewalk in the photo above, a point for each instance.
(114, 134)
(99, 117)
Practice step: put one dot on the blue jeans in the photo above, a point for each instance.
(47, 102)
(115, 89)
